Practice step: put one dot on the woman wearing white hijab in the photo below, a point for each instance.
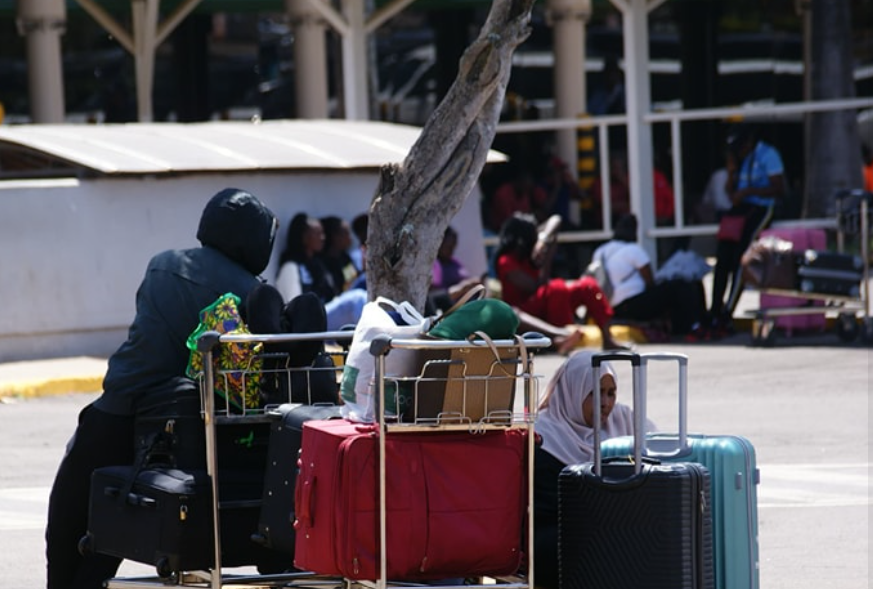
(565, 424)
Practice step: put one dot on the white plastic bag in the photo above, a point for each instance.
(358, 382)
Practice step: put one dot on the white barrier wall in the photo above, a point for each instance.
(72, 253)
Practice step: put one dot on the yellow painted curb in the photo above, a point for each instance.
(50, 386)
(622, 333)
(53, 376)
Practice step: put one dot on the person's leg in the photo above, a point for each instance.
(756, 221)
(564, 339)
(586, 291)
(682, 300)
(100, 440)
(724, 264)
(645, 306)
(555, 301)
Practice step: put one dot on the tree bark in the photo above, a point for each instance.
(416, 200)
(835, 146)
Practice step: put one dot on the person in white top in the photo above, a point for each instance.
(637, 295)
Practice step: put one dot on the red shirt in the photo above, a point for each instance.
(506, 264)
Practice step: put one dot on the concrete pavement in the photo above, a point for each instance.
(804, 405)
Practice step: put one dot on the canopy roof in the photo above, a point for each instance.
(7, 7)
(218, 146)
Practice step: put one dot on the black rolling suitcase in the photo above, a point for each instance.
(625, 523)
(830, 273)
(276, 522)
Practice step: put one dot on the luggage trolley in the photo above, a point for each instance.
(466, 387)
(216, 414)
(853, 221)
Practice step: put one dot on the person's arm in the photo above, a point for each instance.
(547, 240)
(646, 273)
(523, 281)
(775, 189)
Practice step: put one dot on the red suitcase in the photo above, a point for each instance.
(455, 502)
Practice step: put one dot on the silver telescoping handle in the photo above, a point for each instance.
(682, 362)
(636, 366)
(639, 367)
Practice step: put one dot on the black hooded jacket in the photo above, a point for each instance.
(236, 232)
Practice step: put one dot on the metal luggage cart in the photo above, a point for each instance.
(445, 363)
(852, 313)
(217, 412)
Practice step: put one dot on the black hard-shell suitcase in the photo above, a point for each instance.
(276, 522)
(633, 523)
(830, 273)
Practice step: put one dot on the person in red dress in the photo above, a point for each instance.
(524, 259)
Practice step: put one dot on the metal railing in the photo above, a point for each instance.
(675, 119)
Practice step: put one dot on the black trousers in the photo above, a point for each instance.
(682, 301)
(101, 439)
(728, 255)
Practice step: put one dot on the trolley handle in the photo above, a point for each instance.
(854, 193)
(208, 341)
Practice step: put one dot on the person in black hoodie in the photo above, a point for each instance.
(147, 372)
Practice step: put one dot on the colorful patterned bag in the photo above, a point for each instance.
(237, 366)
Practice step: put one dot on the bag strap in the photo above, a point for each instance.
(522, 350)
(475, 293)
(407, 312)
(163, 439)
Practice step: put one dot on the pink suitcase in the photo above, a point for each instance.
(803, 239)
(455, 502)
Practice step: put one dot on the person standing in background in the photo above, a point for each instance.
(756, 179)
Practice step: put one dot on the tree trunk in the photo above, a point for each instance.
(416, 200)
(834, 146)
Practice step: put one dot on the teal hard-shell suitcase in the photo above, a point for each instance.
(734, 477)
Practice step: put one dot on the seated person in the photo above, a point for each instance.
(565, 423)
(336, 254)
(450, 280)
(636, 295)
(300, 271)
(524, 259)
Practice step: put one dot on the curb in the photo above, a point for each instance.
(40, 378)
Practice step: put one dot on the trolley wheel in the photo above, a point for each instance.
(764, 333)
(163, 568)
(85, 545)
(847, 327)
(867, 331)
